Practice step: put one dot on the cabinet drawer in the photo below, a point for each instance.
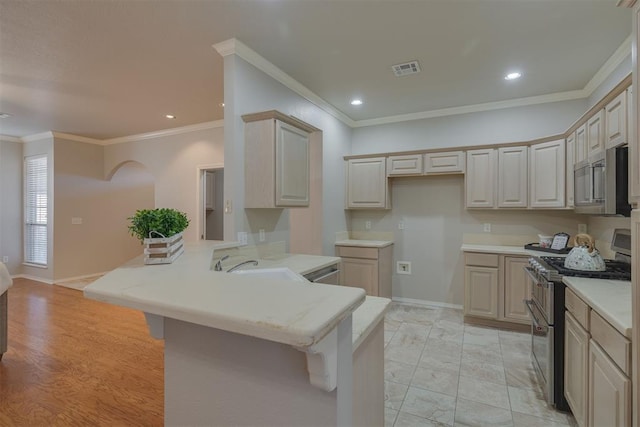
(617, 346)
(404, 165)
(357, 252)
(577, 307)
(482, 260)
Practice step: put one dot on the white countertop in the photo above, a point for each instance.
(364, 243)
(506, 250)
(611, 299)
(294, 313)
(366, 317)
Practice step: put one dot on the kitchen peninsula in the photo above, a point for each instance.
(242, 350)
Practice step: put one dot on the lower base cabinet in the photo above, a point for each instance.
(576, 369)
(609, 391)
(366, 267)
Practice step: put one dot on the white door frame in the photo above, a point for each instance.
(200, 197)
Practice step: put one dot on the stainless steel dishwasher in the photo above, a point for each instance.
(328, 275)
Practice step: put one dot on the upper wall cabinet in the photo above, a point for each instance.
(446, 162)
(480, 180)
(512, 177)
(547, 175)
(571, 154)
(595, 133)
(616, 121)
(276, 161)
(581, 144)
(410, 164)
(367, 185)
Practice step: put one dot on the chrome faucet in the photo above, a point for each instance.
(252, 261)
(218, 266)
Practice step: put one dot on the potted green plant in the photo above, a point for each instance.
(160, 231)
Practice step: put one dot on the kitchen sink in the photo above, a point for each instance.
(277, 273)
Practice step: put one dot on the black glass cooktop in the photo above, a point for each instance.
(616, 270)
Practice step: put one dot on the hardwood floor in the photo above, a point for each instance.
(74, 361)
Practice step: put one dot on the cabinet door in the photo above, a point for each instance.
(516, 289)
(480, 179)
(595, 133)
(581, 144)
(292, 166)
(367, 183)
(445, 162)
(360, 273)
(615, 122)
(481, 292)
(609, 391)
(576, 369)
(634, 121)
(547, 173)
(512, 177)
(571, 154)
(404, 165)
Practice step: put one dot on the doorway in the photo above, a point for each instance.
(211, 204)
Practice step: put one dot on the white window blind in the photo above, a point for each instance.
(35, 210)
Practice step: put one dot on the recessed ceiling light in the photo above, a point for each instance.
(356, 102)
(513, 76)
(4, 115)
(170, 116)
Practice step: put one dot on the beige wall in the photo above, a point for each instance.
(11, 205)
(173, 161)
(601, 228)
(102, 241)
(436, 225)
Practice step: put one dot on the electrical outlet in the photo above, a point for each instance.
(242, 237)
(367, 225)
(401, 225)
(261, 233)
(228, 207)
(76, 220)
(487, 227)
(5, 259)
(582, 228)
(403, 267)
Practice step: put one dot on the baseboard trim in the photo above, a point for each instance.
(34, 278)
(426, 303)
(86, 276)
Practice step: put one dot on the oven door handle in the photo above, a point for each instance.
(536, 323)
(533, 277)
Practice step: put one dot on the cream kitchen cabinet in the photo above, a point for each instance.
(547, 175)
(570, 162)
(609, 391)
(366, 267)
(495, 287)
(276, 161)
(480, 179)
(446, 162)
(576, 378)
(513, 177)
(367, 184)
(581, 144)
(615, 121)
(410, 164)
(595, 133)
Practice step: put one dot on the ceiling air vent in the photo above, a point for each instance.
(405, 69)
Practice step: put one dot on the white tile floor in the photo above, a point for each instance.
(441, 372)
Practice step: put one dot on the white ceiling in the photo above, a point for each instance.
(105, 69)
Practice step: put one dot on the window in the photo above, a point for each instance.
(35, 210)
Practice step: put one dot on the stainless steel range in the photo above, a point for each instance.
(546, 308)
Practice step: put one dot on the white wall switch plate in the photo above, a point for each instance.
(403, 267)
(76, 220)
(5, 259)
(487, 227)
(242, 237)
(261, 234)
(582, 228)
(401, 225)
(367, 225)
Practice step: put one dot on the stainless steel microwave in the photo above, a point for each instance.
(601, 183)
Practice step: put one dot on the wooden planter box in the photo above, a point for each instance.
(163, 250)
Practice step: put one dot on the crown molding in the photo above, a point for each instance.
(165, 132)
(7, 138)
(37, 136)
(234, 46)
(77, 138)
(626, 3)
(609, 66)
(475, 108)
